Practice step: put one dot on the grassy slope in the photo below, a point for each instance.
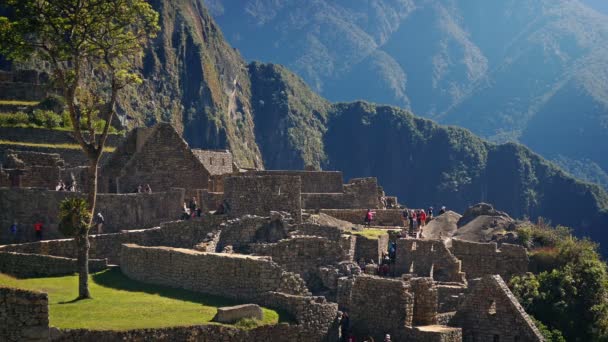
(61, 146)
(120, 303)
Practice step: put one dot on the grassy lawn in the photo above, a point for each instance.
(18, 103)
(62, 146)
(120, 303)
(372, 233)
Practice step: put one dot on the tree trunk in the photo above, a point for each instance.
(82, 239)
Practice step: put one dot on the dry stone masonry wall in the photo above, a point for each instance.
(259, 195)
(480, 259)
(426, 258)
(36, 265)
(23, 315)
(228, 275)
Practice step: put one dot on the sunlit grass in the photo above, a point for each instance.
(18, 103)
(120, 303)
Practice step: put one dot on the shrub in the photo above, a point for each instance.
(52, 103)
(14, 119)
(46, 118)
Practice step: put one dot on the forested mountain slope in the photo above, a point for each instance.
(528, 71)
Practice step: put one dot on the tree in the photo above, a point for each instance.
(91, 47)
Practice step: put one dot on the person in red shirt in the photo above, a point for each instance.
(38, 229)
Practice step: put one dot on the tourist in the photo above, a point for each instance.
(60, 186)
(387, 338)
(147, 189)
(98, 220)
(13, 231)
(412, 218)
(351, 336)
(38, 230)
(362, 264)
(392, 251)
(442, 211)
(345, 326)
(140, 189)
(221, 209)
(369, 217)
(186, 212)
(429, 215)
(227, 207)
(404, 217)
(422, 218)
(368, 339)
(193, 206)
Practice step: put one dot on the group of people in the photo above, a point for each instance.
(347, 335)
(146, 189)
(61, 186)
(191, 209)
(15, 230)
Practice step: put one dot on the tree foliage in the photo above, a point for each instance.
(74, 216)
(571, 295)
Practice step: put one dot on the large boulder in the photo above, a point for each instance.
(481, 209)
(232, 314)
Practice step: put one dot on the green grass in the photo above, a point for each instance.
(120, 303)
(18, 103)
(372, 233)
(61, 146)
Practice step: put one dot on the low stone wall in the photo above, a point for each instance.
(427, 258)
(371, 249)
(200, 333)
(381, 306)
(359, 193)
(480, 259)
(383, 217)
(184, 234)
(233, 276)
(26, 206)
(258, 195)
(329, 232)
(23, 315)
(241, 232)
(303, 255)
(35, 265)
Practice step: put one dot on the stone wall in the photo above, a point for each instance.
(312, 181)
(360, 193)
(209, 201)
(36, 265)
(199, 333)
(425, 301)
(23, 315)
(381, 306)
(258, 195)
(217, 162)
(121, 211)
(312, 229)
(491, 312)
(383, 217)
(303, 255)
(371, 249)
(480, 259)
(427, 258)
(233, 276)
(157, 156)
(241, 232)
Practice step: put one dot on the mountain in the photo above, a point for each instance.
(268, 116)
(528, 71)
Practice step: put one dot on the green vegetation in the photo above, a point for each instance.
(18, 103)
(58, 146)
(121, 303)
(569, 292)
(373, 233)
(41, 118)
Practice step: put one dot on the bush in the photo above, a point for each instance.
(14, 119)
(46, 118)
(52, 103)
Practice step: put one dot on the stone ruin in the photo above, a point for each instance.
(277, 247)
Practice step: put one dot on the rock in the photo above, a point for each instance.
(232, 314)
(481, 209)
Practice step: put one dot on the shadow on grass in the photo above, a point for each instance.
(113, 278)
